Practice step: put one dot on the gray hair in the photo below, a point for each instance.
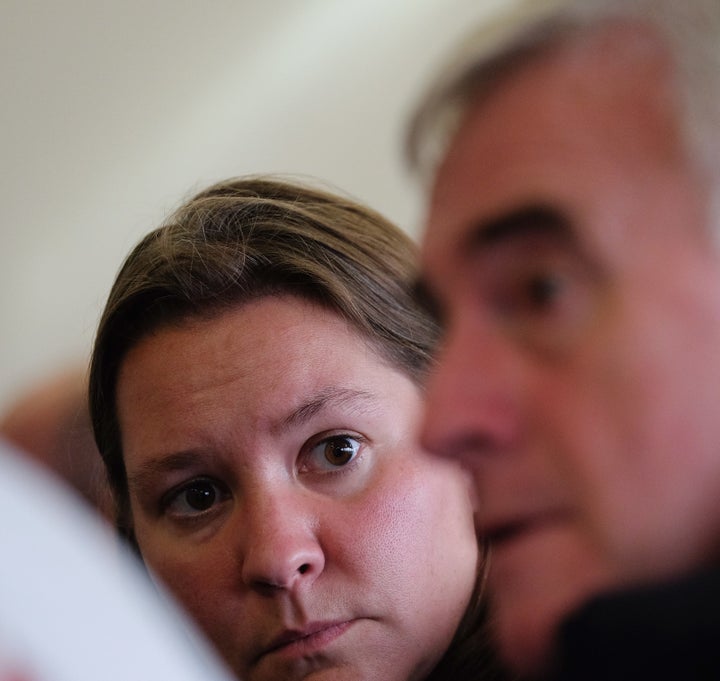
(690, 29)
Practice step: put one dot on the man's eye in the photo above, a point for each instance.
(332, 452)
(526, 296)
(541, 290)
(194, 498)
(543, 305)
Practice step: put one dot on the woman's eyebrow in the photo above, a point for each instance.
(333, 396)
(161, 464)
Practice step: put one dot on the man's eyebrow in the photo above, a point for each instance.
(524, 222)
(332, 396)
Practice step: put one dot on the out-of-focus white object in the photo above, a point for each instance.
(74, 605)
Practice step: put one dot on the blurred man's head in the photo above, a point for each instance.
(50, 422)
(571, 253)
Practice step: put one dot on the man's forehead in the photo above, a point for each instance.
(549, 106)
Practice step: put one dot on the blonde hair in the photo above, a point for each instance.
(243, 239)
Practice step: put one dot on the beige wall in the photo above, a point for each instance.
(113, 111)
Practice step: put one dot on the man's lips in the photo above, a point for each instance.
(501, 532)
(311, 638)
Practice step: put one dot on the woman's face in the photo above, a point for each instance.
(276, 485)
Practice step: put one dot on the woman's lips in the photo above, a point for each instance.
(311, 639)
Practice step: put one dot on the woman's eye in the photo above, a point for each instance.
(340, 451)
(194, 498)
(333, 452)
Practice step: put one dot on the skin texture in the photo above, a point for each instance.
(578, 379)
(375, 556)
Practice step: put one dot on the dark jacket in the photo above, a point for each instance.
(670, 631)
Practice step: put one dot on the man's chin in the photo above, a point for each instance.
(526, 629)
(526, 645)
(538, 577)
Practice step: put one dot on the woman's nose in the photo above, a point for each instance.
(281, 548)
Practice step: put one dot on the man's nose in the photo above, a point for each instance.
(474, 395)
